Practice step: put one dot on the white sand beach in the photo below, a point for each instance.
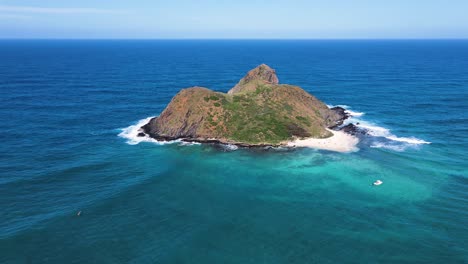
(340, 142)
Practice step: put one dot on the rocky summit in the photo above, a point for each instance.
(257, 111)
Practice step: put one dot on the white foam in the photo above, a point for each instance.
(394, 142)
(373, 129)
(131, 134)
(342, 106)
(348, 110)
(230, 147)
(353, 113)
(399, 148)
(185, 143)
(410, 140)
(378, 131)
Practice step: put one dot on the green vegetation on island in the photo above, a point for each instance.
(257, 111)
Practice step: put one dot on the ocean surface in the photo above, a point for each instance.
(68, 110)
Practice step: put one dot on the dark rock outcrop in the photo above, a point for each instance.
(339, 115)
(353, 130)
(350, 129)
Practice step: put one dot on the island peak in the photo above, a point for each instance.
(262, 74)
(256, 112)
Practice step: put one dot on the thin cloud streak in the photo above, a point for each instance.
(56, 10)
(14, 16)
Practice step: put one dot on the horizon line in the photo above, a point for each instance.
(463, 38)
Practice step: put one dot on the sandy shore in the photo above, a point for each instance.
(340, 141)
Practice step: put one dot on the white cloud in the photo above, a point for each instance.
(55, 10)
(14, 16)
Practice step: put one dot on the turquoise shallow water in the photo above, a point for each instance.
(64, 103)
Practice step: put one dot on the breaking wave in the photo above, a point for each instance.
(382, 137)
(348, 110)
(355, 114)
(131, 134)
(229, 147)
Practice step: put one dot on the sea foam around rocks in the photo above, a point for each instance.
(131, 134)
(381, 137)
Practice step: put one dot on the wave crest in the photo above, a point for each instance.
(382, 137)
(131, 134)
(410, 140)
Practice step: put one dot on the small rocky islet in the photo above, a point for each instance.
(258, 111)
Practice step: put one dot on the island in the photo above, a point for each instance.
(257, 112)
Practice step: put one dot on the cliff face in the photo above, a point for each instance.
(257, 111)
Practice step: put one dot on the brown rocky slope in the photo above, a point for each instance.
(258, 111)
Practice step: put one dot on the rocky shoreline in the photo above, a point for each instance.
(350, 129)
(257, 112)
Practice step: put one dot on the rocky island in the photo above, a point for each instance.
(257, 111)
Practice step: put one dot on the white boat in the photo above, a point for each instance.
(378, 182)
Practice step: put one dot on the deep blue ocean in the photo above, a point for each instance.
(67, 108)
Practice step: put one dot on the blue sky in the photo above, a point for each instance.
(234, 19)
